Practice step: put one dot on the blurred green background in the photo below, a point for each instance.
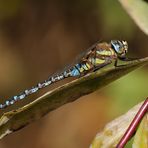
(37, 38)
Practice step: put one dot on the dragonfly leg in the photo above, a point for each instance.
(116, 62)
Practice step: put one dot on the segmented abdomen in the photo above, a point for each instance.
(39, 86)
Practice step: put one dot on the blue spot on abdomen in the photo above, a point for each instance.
(75, 72)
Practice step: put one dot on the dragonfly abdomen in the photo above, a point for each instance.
(39, 86)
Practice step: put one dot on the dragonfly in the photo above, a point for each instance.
(94, 58)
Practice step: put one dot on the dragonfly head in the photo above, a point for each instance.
(120, 47)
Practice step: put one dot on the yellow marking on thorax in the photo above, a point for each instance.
(99, 61)
(104, 49)
(96, 61)
(104, 52)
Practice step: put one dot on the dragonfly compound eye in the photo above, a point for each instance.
(120, 47)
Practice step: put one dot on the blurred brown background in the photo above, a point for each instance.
(37, 38)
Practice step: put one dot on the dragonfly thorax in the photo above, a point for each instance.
(120, 47)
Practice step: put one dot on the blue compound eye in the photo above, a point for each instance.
(117, 46)
(120, 47)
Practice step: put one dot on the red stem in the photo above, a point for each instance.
(134, 124)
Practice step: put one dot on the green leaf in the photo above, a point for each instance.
(141, 137)
(14, 120)
(138, 10)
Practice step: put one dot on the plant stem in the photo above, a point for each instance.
(132, 127)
